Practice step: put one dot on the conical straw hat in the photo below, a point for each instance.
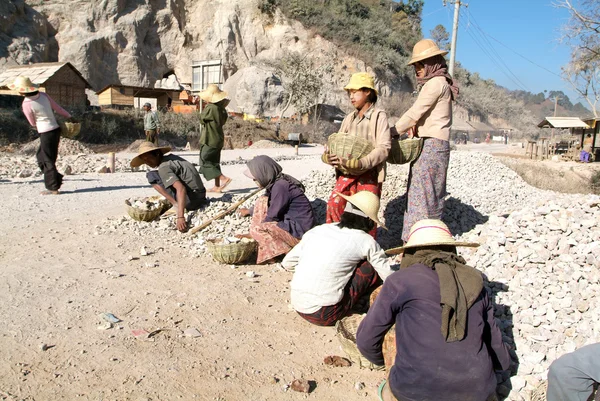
(367, 202)
(212, 94)
(429, 232)
(23, 85)
(424, 49)
(147, 147)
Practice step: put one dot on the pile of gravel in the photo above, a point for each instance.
(66, 147)
(268, 144)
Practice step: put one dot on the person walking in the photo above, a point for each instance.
(430, 118)
(151, 124)
(369, 122)
(39, 109)
(212, 139)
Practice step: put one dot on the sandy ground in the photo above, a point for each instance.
(56, 276)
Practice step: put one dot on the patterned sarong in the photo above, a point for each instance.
(427, 184)
(272, 240)
(349, 185)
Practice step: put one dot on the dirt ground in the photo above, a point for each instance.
(56, 276)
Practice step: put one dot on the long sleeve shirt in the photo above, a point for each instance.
(374, 127)
(426, 367)
(151, 121)
(39, 112)
(213, 118)
(290, 208)
(431, 113)
(324, 261)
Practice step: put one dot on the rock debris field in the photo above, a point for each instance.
(540, 253)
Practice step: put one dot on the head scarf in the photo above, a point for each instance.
(436, 67)
(267, 171)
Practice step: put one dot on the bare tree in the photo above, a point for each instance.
(582, 33)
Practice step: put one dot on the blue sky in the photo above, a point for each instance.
(529, 27)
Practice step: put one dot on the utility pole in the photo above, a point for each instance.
(556, 98)
(457, 4)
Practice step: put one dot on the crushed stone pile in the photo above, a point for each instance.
(23, 167)
(268, 144)
(65, 147)
(540, 253)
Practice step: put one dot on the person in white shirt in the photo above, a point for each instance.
(336, 264)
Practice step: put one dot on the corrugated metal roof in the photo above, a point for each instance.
(562, 122)
(39, 73)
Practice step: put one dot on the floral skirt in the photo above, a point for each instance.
(272, 240)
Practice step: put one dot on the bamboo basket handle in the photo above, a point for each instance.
(224, 213)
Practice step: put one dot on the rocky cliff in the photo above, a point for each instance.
(137, 42)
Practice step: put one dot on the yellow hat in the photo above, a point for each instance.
(367, 202)
(147, 147)
(212, 94)
(23, 85)
(361, 80)
(424, 49)
(429, 232)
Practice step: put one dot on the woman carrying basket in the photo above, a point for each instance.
(369, 122)
(39, 110)
(431, 118)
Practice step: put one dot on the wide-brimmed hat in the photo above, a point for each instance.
(23, 85)
(425, 48)
(361, 80)
(212, 94)
(147, 147)
(367, 202)
(429, 232)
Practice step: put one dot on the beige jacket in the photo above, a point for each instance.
(374, 127)
(432, 112)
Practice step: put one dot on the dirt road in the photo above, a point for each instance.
(57, 275)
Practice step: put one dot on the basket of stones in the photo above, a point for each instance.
(146, 209)
(69, 129)
(231, 250)
(346, 329)
(348, 147)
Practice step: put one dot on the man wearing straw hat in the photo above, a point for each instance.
(212, 139)
(447, 342)
(175, 178)
(151, 124)
(336, 264)
(38, 108)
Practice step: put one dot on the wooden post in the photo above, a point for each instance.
(296, 149)
(111, 162)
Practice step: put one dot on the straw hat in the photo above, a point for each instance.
(367, 202)
(361, 80)
(147, 147)
(23, 85)
(429, 232)
(425, 48)
(212, 94)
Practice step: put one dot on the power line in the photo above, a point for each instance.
(491, 47)
(520, 55)
(492, 58)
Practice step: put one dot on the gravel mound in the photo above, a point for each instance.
(268, 144)
(25, 167)
(66, 147)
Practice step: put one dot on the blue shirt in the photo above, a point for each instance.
(290, 208)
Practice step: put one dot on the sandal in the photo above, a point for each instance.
(380, 390)
(50, 192)
(224, 184)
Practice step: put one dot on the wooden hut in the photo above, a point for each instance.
(63, 82)
(122, 96)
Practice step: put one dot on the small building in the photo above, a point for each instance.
(579, 128)
(122, 96)
(63, 82)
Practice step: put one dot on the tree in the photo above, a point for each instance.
(440, 35)
(582, 33)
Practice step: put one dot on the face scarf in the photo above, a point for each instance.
(267, 171)
(436, 67)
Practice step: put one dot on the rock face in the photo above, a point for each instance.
(140, 42)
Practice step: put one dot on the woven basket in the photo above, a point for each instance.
(346, 329)
(539, 393)
(69, 130)
(389, 341)
(405, 151)
(147, 215)
(348, 146)
(231, 254)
